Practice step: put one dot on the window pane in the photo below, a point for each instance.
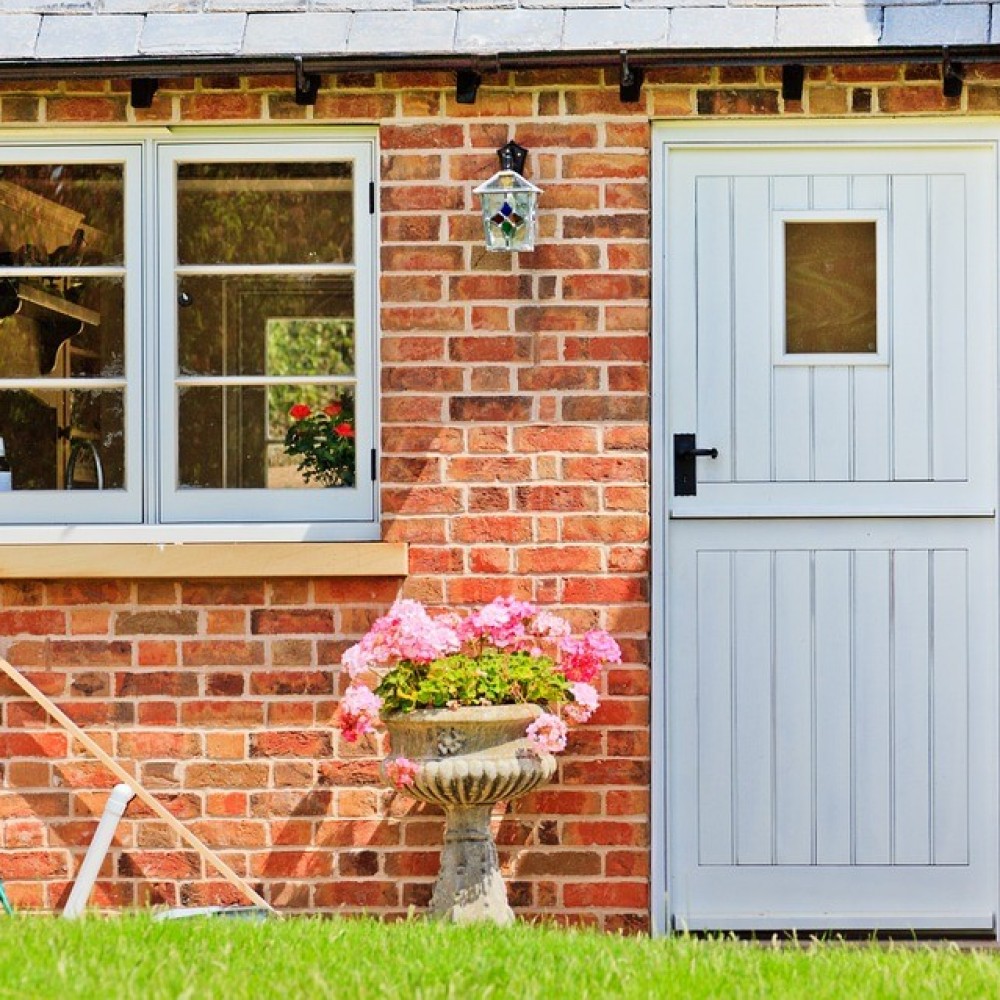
(62, 439)
(254, 325)
(266, 437)
(264, 213)
(62, 327)
(830, 288)
(61, 215)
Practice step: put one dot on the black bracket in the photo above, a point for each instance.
(630, 82)
(467, 83)
(952, 75)
(685, 473)
(143, 90)
(793, 77)
(306, 84)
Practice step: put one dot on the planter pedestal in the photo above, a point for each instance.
(468, 760)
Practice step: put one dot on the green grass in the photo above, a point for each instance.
(360, 959)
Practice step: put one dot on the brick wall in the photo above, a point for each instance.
(515, 437)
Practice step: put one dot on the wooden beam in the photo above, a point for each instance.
(202, 560)
(206, 853)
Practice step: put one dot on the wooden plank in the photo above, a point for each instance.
(716, 424)
(793, 699)
(872, 710)
(209, 560)
(714, 708)
(753, 716)
(948, 330)
(832, 617)
(909, 251)
(752, 364)
(832, 425)
(203, 851)
(950, 706)
(911, 717)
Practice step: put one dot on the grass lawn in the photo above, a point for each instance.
(360, 959)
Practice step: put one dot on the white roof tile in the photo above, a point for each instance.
(509, 30)
(19, 36)
(84, 36)
(955, 24)
(615, 29)
(296, 34)
(841, 26)
(193, 34)
(395, 31)
(722, 28)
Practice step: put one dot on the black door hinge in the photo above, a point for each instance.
(371, 197)
(374, 465)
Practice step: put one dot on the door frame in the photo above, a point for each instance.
(739, 136)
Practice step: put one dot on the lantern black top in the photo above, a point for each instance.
(512, 157)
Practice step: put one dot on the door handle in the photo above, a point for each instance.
(685, 473)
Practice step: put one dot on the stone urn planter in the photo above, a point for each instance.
(468, 759)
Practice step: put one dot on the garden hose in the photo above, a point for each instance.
(5, 902)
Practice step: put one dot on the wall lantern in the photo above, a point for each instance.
(509, 203)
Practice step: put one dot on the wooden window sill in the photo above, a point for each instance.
(193, 560)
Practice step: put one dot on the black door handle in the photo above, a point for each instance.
(685, 474)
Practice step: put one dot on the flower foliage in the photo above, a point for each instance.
(323, 441)
(505, 653)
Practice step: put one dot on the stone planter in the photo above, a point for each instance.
(469, 759)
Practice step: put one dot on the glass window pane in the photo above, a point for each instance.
(62, 327)
(830, 288)
(264, 213)
(266, 437)
(264, 325)
(64, 439)
(61, 215)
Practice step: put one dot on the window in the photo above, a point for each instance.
(186, 336)
(830, 281)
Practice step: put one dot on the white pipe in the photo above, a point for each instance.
(120, 797)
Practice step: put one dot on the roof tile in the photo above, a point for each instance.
(402, 31)
(586, 29)
(296, 34)
(951, 25)
(840, 26)
(193, 34)
(88, 36)
(721, 28)
(20, 31)
(509, 31)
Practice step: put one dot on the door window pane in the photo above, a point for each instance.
(830, 288)
(264, 213)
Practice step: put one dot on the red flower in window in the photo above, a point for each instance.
(344, 430)
(300, 411)
(333, 409)
(322, 440)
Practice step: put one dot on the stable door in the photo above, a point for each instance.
(832, 562)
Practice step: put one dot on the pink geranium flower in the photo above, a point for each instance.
(358, 712)
(401, 771)
(585, 702)
(548, 733)
(583, 658)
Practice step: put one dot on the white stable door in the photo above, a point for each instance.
(832, 702)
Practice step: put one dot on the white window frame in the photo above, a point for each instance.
(147, 510)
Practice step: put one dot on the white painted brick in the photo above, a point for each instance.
(949, 25)
(296, 34)
(585, 29)
(192, 34)
(402, 31)
(88, 36)
(813, 26)
(724, 28)
(509, 31)
(18, 34)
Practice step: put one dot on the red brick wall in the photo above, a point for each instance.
(515, 437)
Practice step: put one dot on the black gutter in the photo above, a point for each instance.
(173, 68)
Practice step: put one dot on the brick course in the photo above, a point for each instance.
(515, 460)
